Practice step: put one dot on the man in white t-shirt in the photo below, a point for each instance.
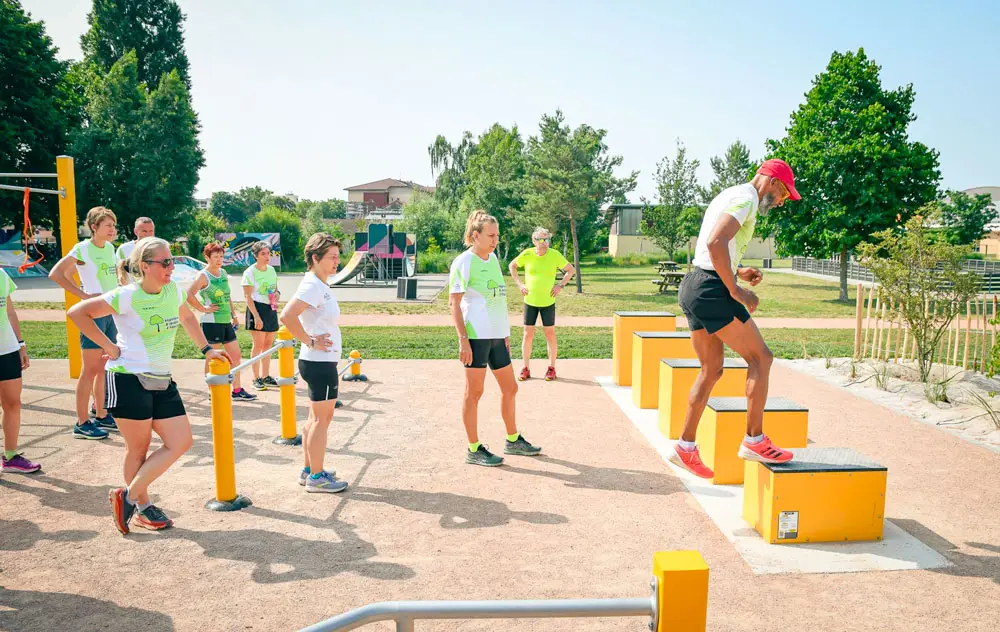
(718, 310)
(144, 227)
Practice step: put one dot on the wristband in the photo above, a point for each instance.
(206, 349)
(21, 344)
(463, 337)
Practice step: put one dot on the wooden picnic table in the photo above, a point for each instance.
(670, 275)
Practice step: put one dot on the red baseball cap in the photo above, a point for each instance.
(777, 168)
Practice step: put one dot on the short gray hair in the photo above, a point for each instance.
(540, 231)
(143, 220)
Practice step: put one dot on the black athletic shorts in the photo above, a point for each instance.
(267, 315)
(706, 301)
(548, 315)
(10, 366)
(491, 352)
(125, 397)
(321, 378)
(219, 333)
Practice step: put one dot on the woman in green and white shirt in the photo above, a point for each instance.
(209, 295)
(478, 304)
(139, 390)
(260, 286)
(13, 360)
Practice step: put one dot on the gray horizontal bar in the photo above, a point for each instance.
(29, 175)
(33, 189)
(525, 609)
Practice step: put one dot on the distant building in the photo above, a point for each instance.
(381, 199)
(989, 245)
(625, 237)
(202, 204)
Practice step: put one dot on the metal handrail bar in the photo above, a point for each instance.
(29, 175)
(9, 187)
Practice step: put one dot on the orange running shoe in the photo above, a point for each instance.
(764, 452)
(691, 462)
(525, 374)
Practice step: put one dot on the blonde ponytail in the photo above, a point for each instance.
(478, 219)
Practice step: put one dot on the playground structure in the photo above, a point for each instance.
(381, 255)
(825, 494)
(220, 379)
(678, 603)
(65, 178)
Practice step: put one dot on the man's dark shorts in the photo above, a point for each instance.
(706, 302)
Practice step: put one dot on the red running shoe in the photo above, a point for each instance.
(550, 374)
(764, 452)
(691, 462)
(525, 374)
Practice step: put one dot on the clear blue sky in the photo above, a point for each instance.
(312, 96)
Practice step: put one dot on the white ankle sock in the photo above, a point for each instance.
(753, 440)
(687, 446)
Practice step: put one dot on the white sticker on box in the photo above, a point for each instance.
(788, 525)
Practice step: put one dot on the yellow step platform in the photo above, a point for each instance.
(723, 426)
(648, 348)
(677, 377)
(625, 324)
(822, 495)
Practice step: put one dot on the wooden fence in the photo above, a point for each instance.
(881, 334)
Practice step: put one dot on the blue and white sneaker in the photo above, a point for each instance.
(243, 394)
(325, 483)
(88, 430)
(106, 422)
(303, 475)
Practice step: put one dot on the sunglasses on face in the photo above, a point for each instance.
(545, 240)
(166, 263)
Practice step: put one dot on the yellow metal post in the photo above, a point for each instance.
(286, 371)
(354, 374)
(682, 591)
(68, 237)
(223, 450)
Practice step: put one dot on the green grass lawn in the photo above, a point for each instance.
(48, 341)
(607, 289)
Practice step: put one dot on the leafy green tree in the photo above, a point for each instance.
(964, 217)
(925, 278)
(253, 199)
(677, 189)
(570, 175)
(39, 107)
(449, 162)
(495, 175)
(154, 29)
(138, 153)
(314, 222)
(690, 225)
(855, 166)
(229, 206)
(281, 201)
(276, 220)
(732, 168)
(205, 226)
(425, 216)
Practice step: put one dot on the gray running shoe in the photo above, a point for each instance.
(325, 484)
(303, 475)
(482, 456)
(521, 447)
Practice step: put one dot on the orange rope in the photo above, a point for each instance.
(29, 236)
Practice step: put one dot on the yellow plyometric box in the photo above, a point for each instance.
(677, 377)
(625, 324)
(682, 591)
(822, 495)
(648, 348)
(723, 426)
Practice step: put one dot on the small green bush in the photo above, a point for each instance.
(435, 262)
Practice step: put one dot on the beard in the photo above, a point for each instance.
(767, 204)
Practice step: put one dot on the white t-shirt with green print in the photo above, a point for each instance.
(147, 325)
(740, 201)
(263, 282)
(484, 300)
(96, 267)
(8, 341)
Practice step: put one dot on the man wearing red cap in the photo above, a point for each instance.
(718, 310)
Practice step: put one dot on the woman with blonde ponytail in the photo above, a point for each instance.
(139, 389)
(478, 302)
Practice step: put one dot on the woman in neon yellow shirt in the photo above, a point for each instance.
(139, 389)
(260, 286)
(540, 290)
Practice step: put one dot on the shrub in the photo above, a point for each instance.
(436, 262)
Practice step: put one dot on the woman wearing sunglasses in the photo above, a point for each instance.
(147, 308)
(540, 290)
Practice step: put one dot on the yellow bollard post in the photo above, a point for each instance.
(682, 591)
(355, 374)
(66, 184)
(286, 386)
(223, 450)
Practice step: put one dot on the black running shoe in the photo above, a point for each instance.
(482, 456)
(153, 518)
(270, 381)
